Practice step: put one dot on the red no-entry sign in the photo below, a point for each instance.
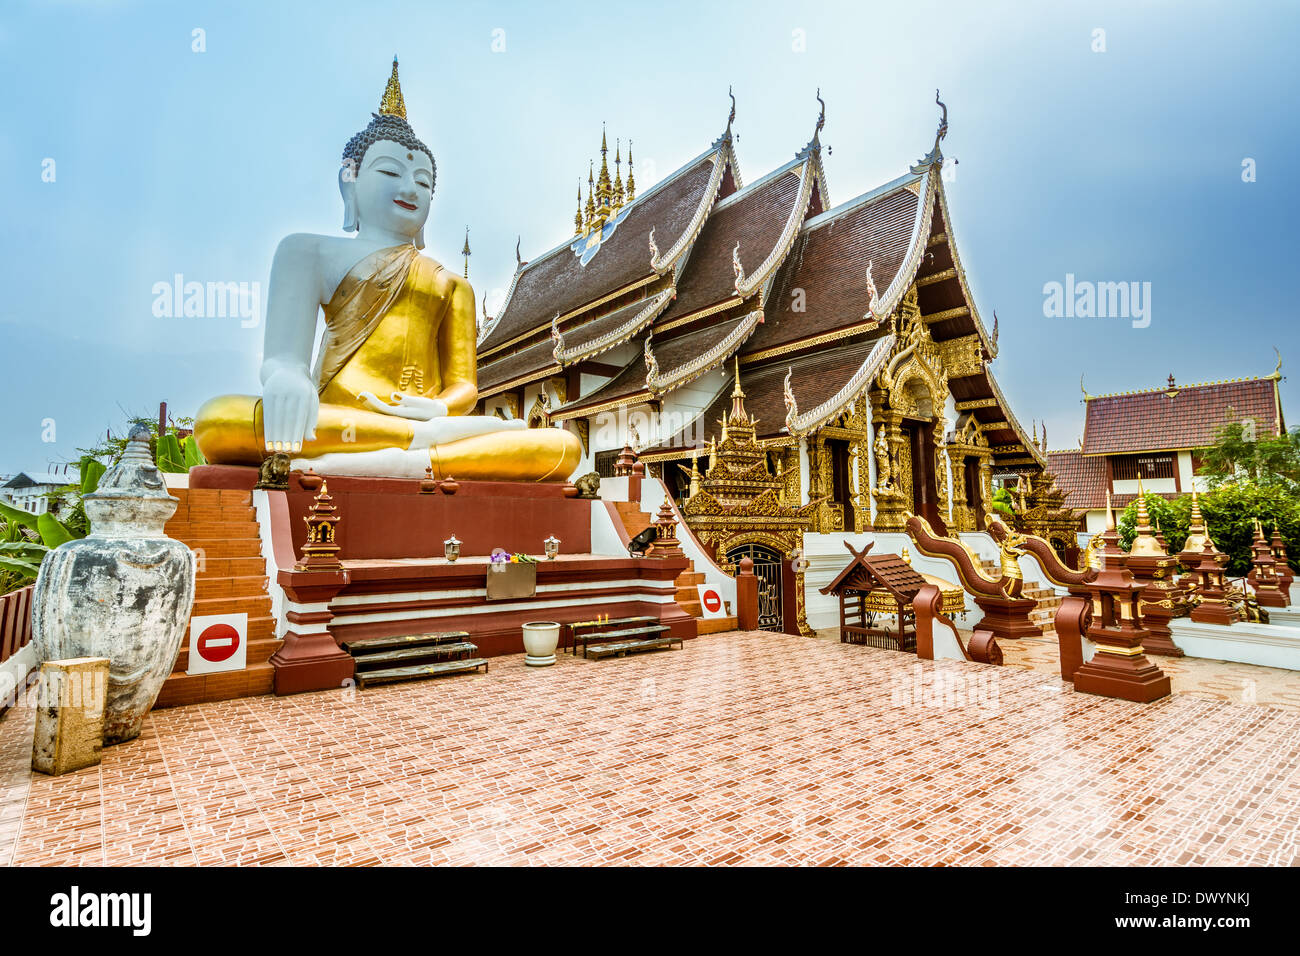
(218, 642)
(711, 601)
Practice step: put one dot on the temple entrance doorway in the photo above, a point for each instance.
(974, 493)
(841, 482)
(767, 568)
(919, 448)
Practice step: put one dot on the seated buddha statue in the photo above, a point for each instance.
(395, 374)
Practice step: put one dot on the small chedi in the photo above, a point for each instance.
(396, 372)
(123, 592)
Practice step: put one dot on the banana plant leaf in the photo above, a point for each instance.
(169, 455)
(23, 569)
(18, 517)
(92, 469)
(23, 550)
(193, 456)
(52, 531)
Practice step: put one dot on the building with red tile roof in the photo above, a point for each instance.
(1156, 435)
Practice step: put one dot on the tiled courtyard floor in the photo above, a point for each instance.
(741, 748)
(1212, 680)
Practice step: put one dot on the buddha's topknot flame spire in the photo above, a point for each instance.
(392, 104)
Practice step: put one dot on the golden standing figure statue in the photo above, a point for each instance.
(397, 325)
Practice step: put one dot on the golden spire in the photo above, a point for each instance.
(618, 174)
(392, 104)
(465, 252)
(738, 399)
(632, 184)
(603, 187)
(1145, 542)
(591, 203)
(724, 429)
(577, 217)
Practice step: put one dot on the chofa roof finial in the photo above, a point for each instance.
(821, 117)
(943, 122)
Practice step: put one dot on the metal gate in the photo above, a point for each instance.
(767, 568)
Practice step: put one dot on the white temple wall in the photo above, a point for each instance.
(826, 557)
(1130, 487)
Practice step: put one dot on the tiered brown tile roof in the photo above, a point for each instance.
(671, 354)
(754, 217)
(585, 335)
(1083, 479)
(829, 263)
(513, 365)
(1183, 417)
(817, 377)
(558, 282)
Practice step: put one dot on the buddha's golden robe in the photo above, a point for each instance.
(392, 326)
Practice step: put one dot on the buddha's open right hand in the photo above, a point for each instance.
(289, 409)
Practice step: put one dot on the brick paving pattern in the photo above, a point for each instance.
(742, 748)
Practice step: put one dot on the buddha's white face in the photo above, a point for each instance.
(393, 189)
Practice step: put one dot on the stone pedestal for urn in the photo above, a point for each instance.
(124, 592)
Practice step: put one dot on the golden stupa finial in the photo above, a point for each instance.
(724, 429)
(591, 202)
(631, 183)
(736, 392)
(603, 187)
(465, 252)
(392, 104)
(618, 173)
(577, 217)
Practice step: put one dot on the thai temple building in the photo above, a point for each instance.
(1155, 436)
(788, 365)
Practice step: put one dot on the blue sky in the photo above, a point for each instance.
(1122, 165)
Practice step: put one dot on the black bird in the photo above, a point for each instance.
(638, 545)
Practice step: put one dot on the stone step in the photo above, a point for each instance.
(426, 654)
(640, 632)
(225, 548)
(693, 608)
(373, 645)
(231, 567)
(188, 514)
(188, 531)
(181, 689)
(715, 625)
(209, 586)
(623, 648)
(420, 671)
(255, 607)
(689, 579)
(218, 496)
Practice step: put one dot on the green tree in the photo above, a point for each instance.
(1230, 512)
(1241, 454)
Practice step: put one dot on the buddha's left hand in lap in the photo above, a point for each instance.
(431, 423)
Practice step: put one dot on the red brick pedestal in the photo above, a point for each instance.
(310, 658)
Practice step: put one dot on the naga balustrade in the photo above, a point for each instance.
(927, 608)
(1057, 571)
(1006, 613)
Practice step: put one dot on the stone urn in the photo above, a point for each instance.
(123, 592)
(540, 641)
